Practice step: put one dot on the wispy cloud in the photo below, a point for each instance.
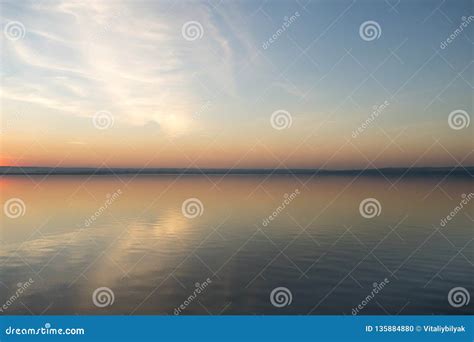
(116, 56)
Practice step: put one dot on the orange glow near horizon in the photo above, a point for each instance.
(227, 152)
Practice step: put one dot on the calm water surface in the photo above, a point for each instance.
(151, 256)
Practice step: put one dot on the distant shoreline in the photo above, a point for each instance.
(418, 171)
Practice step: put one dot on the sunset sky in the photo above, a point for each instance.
(176, 101)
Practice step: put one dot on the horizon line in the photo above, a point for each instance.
(47, 170)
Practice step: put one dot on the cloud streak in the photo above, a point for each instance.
(118, 57)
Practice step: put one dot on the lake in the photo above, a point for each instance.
(239, 244)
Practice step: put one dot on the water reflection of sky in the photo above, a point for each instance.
(151, 255)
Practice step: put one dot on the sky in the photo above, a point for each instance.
(226, 84)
